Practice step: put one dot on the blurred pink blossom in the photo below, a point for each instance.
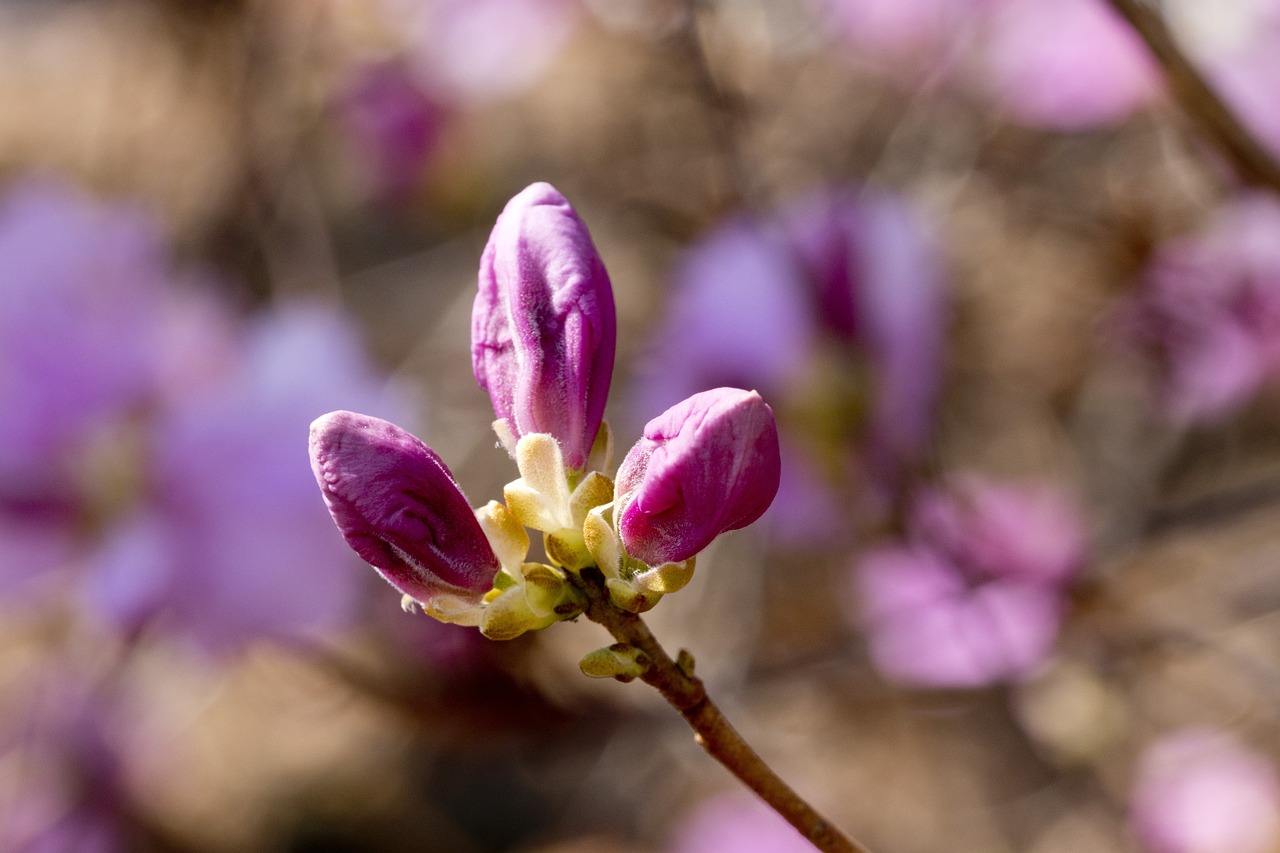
(67, 739)
(1209, 308)
(1201, 791)
(875, 268)
(833, 286)
(1028, 531)
(149, 438)
(80, 289)
(735, 823)
(393, 126)
(975, 595)
(902, 37)
(250, 552)
(469, 51)
(1066, 64)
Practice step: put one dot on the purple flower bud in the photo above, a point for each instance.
(543, 327)
(707, 465)
(399, 507)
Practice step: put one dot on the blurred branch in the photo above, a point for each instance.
(482, 703)
(1215, 508)
(1199, 100)
(688, 695)
(723, 109)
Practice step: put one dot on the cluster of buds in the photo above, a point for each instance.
(543, 339)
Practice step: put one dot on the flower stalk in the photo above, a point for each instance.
(675, 680)
(1198, 98)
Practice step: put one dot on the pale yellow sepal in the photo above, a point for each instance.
(507, 536)
(544, 588)
(540, 498)
(567, 547)
(621, 661)
(454, 609)
(667, 578)
(630, 599)
(506, 438)
(507, 616)
(632, 585)
(538, 596)
(595, 490)
(602, 542)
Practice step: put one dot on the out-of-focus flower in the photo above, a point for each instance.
(65, 740)
(975, 594)
(393, 125)
(1201, 791)
(1209, 307)
(543, 330)
(80, 294)
(1068, 65)
(705, 466)
(481, 50)
(833, 309)
(732, 823)
(928, 626)
(150, 436)
(399, 507)
(1028, 531)
(229, 543)
(879, 281)
(908, 37)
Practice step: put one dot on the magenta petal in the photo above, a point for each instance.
(399, 507)
(543, 329)
(707, 465)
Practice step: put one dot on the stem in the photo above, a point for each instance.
(1252, 160)
(688, 695)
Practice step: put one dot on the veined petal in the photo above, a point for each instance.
(543, 328)
(399, 507)
(705, 466)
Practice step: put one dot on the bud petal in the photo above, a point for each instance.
(707, 465)
(543, 327)
(399, 508)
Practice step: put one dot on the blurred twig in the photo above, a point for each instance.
(1206, 510)
(1201, 102)
(724, 110)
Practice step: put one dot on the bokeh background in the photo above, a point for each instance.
(1019, 320)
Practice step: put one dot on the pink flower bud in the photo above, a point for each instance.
(400, 509)
(543, 327)
(707, 465)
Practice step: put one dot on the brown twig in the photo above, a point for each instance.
(1201, 102)
(688, 695)
(724, 109)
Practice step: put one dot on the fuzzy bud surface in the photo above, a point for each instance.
(543, 328)
(707, 465)
(399, 507)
